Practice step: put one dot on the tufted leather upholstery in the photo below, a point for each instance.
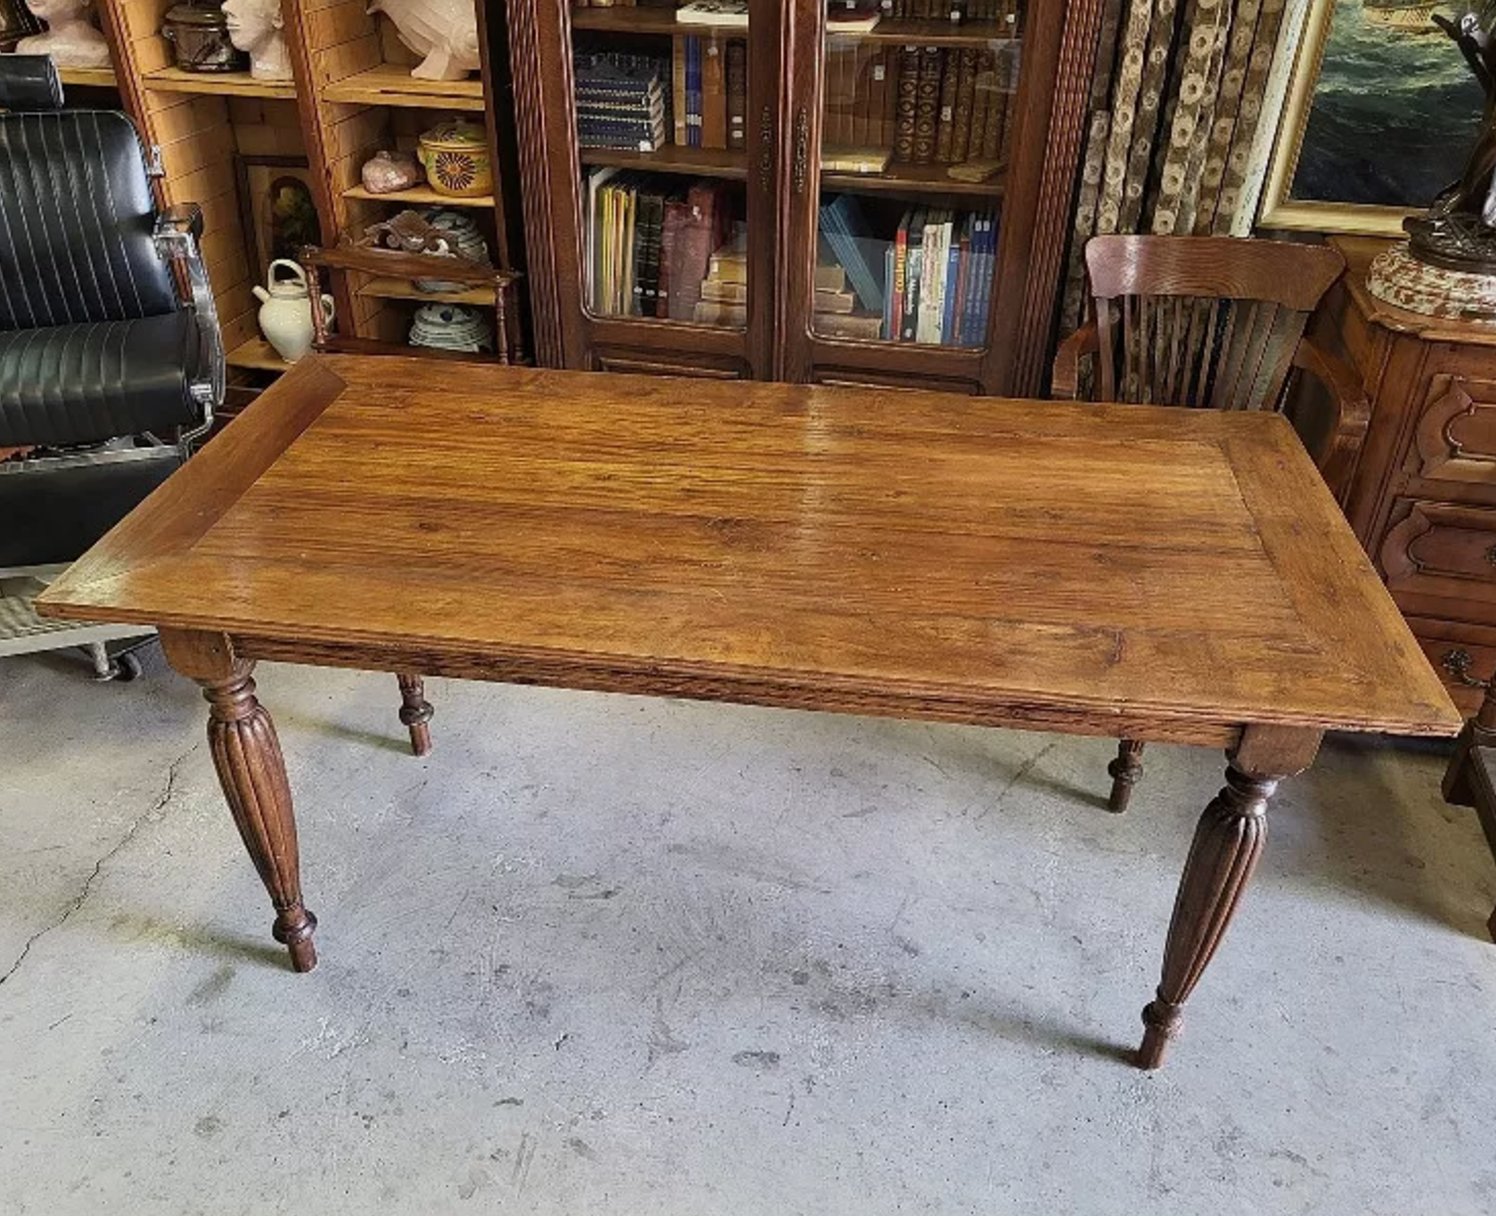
(94, 342)
(76, 218)
(73, 383)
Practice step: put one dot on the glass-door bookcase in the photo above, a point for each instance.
(868, 191)
(657, 236)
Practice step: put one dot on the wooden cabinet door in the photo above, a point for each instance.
(648, 152)
(927, 169)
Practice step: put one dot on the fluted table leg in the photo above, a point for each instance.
(1228, 841)
(251, 770)
(415, 711)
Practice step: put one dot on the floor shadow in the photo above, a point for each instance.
(302, 725)
(1393, 837)
(200, 940)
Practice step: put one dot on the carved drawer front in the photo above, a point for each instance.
(1455, 439)
(1465, 668)
(1442, 550)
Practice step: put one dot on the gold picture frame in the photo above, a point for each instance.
(1279, 208)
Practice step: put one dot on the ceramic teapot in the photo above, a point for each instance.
(286, 310)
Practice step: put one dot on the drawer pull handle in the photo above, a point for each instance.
(1457, 664)
(1491, 555)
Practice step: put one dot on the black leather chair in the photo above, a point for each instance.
(111, 362)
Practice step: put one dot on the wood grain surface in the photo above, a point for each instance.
(1103, 569)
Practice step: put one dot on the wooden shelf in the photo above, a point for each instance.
(915, 179)
(711, 162)
(232, 84)
(259, 355)
(94, 78)
(909, 32)
(646, 21)
(404, 289)
(704, 162)
(391, 84)
(421, 196)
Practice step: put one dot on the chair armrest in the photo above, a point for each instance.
(1064, 381)
(176, 235)
(1352, 413)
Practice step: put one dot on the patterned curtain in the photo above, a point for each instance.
(1175, 109)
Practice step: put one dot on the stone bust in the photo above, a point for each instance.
(70, 38)
(255, 27)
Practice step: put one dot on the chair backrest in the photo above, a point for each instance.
(1203, 321)
(76, 212)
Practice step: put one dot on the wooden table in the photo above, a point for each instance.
(1157, 574)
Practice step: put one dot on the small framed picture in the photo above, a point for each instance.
(277, 207)
(1380, 116)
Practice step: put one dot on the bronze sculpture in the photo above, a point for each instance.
(1459, 231)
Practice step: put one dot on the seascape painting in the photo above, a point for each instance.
(1394, 111)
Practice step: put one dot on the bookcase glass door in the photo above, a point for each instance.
(917, 104)
(660, 98)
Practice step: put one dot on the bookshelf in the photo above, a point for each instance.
(1000, 106)
(223, 136)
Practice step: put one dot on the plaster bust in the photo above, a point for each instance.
(255, 27)
(70, 39)
(444, 31)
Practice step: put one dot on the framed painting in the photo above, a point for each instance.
(1380, 117)
(276, 208)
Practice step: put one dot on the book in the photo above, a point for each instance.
(965, 94)
(913, 265)
(927, 105)
(676, 214)
(932, 273)
(907, 94)
(844, 227)
(854, 160)
(852, 17)
(730, 13)
(713, 95)
(954, 240)
(678, 90)
(737, 94)
(945, 124)
(839, 325)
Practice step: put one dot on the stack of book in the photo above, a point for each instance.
(709, 77)
(622, 101)
(1006, 11)
(724, 295)
(649, 241)
(924, 104)
(940, 267)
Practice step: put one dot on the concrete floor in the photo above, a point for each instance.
(606, 954)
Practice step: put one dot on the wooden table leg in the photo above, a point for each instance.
(1228, 840)
(252, 772)
(1125, 772)
(415, 710)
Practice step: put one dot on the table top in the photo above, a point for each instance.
(1168, 573)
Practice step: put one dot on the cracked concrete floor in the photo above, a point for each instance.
(600, 953)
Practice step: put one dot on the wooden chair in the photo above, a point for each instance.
(1470, 779)
(416, 711)
(1209, 323)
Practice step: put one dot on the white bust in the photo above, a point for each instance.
(255, 26)
(71, 39)
(445, 32)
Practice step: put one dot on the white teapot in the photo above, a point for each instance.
(286, 310)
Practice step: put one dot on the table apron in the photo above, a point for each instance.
(771, 690)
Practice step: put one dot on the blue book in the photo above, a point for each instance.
(693, 89)
(973, 280)
(984, 296)
(952, 278)
(888, 260)
(847, 232)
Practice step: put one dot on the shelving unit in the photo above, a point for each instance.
(350, 95)
(391, 84)
(228, 84)
(88, 78)
(421, 196)
(595, 212)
